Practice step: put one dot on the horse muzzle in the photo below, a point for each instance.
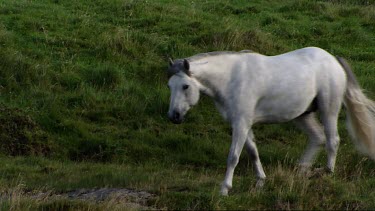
(176, 117)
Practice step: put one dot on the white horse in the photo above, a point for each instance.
(251, 88)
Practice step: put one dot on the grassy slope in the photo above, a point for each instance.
(90, 75)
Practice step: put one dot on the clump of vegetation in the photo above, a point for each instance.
(21, 135)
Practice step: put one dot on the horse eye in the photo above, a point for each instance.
(185, 87)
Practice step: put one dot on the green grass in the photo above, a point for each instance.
(83, 87)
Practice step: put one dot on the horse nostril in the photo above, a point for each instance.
(176, 115)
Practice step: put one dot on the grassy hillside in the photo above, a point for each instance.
(83, 83)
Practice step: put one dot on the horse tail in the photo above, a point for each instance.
(360, 112)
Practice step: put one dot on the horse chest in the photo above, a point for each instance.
(223, 111)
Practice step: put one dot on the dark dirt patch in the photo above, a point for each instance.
(113, 198)
(139, 197)
(126, 197)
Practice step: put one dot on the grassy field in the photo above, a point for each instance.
(83, 102)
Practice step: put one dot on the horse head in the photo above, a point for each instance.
(184, 90)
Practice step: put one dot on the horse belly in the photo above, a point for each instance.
(284, 106)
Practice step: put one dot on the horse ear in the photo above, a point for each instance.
(170, 61)
(187, 67)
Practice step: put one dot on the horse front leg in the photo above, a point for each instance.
(239, 136)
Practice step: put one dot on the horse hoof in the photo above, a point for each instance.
(224, 192)
(319, 172)
(259, 184)
(304, 171)
(225, 188)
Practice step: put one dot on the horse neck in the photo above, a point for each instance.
(213, 79)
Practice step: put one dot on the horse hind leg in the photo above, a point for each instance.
(310, 125)
(333, 140)
(330, 109)
(252, 150)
